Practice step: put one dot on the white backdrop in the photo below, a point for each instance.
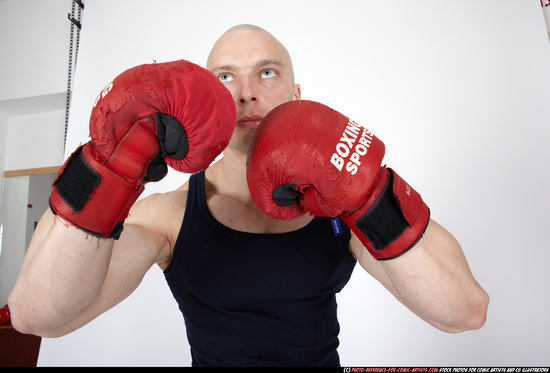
(460, 94)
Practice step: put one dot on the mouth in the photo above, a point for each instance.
(249, 121)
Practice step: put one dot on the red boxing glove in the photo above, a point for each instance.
(307, 157)
(174, 113)
(4, 315)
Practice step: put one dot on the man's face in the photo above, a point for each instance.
(257, 70)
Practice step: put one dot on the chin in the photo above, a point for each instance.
(242, 139)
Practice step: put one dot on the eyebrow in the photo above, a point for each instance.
(258, 64)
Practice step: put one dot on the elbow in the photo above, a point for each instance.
(23, 326)
(20, 319)
(478, 307)
(26, 325)
(25, 321)
(472, 317)
(479, 314)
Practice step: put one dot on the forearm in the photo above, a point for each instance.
(63, 271)
(434, 281)
(338, 172)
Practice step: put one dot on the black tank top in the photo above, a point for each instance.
(258, 299)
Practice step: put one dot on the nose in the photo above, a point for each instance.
(247, 92)
(244, 100)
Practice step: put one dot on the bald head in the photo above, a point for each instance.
(245, 27)
(248, 38)
(256, 68)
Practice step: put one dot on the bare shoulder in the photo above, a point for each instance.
(160, 215)
(163, 206)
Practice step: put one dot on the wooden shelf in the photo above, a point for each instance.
(32, 171)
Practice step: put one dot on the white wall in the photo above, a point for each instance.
(35, 140)
(14, 236)
(35, 47)
(38, 201)
(3, 144)
(457, 91)
(546, 11)
(34, 40)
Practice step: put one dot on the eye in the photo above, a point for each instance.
(225, 77)
(269, 73)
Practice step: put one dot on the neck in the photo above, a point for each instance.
(229, 174)
(230, 202)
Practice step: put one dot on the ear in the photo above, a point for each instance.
(297, 93)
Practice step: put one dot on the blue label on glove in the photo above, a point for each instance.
(336, 227)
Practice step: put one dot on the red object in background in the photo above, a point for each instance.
(16, 349)
(4, 314)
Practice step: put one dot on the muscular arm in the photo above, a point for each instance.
(138, 125)
(69, 277)
(433, 280)
(306, 156)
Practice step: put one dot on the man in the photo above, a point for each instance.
(254, 290)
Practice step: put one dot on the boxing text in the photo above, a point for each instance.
(103, 93)
(352, 146)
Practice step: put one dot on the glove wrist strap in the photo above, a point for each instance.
(91, 196)
(393, 220)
